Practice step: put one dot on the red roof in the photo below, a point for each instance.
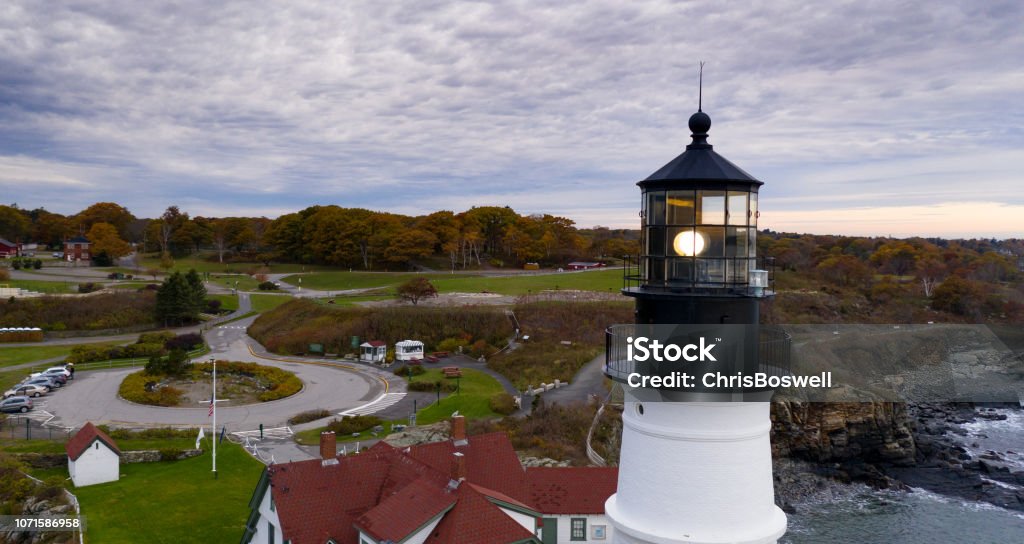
(491, 461)
(571, 490)
(84, 438)
(401, 514)
(390, 493)
(476, 520)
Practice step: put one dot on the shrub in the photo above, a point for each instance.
(354, 424)
(158, 337)
(171, 454)
(4, 274)
(89, 287)
(503, 403)
(534, 363)
(213, 306)
(291, 327)
(452, 344)
(174, 364)
(407, 370)
(102, 311)
(307, 416)
(431, 386)
(141, 387)
(155, 432)
(268, 286)
(186, 342)
(37, 264)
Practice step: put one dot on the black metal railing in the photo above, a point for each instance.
(633, 278)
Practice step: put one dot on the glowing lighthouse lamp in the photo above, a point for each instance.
(695, 468)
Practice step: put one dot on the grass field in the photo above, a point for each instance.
(173, 502)
(57, 446)
(17, 355)
(600, 280)
(472, 401)
(311, 437)
(199, 262)
(227, 302)
(264, 303)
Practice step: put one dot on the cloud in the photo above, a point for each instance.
(547, 106)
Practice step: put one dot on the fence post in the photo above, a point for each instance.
(28, 430)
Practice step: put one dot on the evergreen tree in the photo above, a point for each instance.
(197, 293)
(174, 301)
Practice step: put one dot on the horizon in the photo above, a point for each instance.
(902, 125)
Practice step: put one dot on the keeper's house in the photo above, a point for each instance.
(93, 457)
(466, 490)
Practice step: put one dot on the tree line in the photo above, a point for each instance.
(329, 235)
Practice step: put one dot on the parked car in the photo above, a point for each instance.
(53, 371)
(16, 404)
(58, 255)
(25, 391)
(44, 381)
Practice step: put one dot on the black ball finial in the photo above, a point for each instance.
(700, 123)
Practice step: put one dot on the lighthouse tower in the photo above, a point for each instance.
(695, 464)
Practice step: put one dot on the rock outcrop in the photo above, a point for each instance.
(836, 432)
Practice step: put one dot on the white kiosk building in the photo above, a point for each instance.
(407, 350)
(374, 351)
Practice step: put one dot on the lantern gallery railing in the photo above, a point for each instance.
(634, 351)
(645, 272)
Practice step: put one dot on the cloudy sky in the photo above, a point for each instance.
(861, 117)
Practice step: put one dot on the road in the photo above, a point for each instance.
(93, 394)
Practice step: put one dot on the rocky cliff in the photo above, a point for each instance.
(836, 432)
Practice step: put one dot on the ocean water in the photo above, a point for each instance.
(863, 515)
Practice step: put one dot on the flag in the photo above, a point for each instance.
(200, 437)
(211, 408)
(222, 431)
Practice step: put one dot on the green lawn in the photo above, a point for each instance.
(42, 286)
(201, 264)
(244, 283)
(472, 401)
(18, 355)
(265, 303)
(600, 280)
(227, 302)
(173, 502)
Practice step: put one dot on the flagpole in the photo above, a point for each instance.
(214, 429)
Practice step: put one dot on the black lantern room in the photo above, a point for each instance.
(698, 261)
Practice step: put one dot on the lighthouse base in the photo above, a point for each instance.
(695, 472)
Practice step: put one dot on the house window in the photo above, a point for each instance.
(270, 533)
(578, 529)
(271, 502)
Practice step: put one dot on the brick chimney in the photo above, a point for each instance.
(459, 467)
(328, 446)
(459, 431)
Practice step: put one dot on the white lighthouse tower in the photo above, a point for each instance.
(695, 464)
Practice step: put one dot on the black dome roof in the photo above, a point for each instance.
(699, 161)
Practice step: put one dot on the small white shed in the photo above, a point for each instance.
(93, 457)
(407, 350)
(373, 352)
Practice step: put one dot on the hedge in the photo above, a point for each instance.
(280, 383)
(133, 389)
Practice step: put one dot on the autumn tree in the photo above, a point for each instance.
(416, 289)
(844, 270)
(896, 257)
(105, 244)
(14, 224)
(104, 212)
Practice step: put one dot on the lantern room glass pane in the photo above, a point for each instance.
(737, 270)
(710, 270)
(656, 241)
(711, 209)
(753, 209)
(656, 270)
(735, 242)
(680, 270)
(681, 207)
(738, 208)
(752, 243)
(656, 208)
(713, 240)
